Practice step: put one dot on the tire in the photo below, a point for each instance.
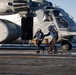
(66, 46)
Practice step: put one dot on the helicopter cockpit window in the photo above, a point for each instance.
(57, 13)
(50, 4)
(47, 16)
(61, 23)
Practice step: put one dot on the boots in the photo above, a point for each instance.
(38, 51)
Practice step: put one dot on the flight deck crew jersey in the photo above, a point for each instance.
(39, 36)
(53, 34)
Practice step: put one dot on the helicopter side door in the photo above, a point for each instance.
(27, 28)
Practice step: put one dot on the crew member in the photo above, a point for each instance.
(39, 35)
(54, 34)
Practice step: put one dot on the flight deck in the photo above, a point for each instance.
(28, 62)
(23, 60)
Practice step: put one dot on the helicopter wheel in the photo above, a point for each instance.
(66, 46)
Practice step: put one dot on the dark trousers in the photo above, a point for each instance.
(52, 44)
(39, 45)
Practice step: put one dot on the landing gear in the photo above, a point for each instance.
(66, 45)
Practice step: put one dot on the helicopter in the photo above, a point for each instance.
(20, 19)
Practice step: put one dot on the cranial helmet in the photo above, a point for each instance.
(38, 29)
(51, 27)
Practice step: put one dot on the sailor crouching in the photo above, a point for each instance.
(54, 34)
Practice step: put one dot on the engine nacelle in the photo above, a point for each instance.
(8, 31)
(8, 7)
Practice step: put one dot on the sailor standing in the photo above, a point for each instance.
(39, 37)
